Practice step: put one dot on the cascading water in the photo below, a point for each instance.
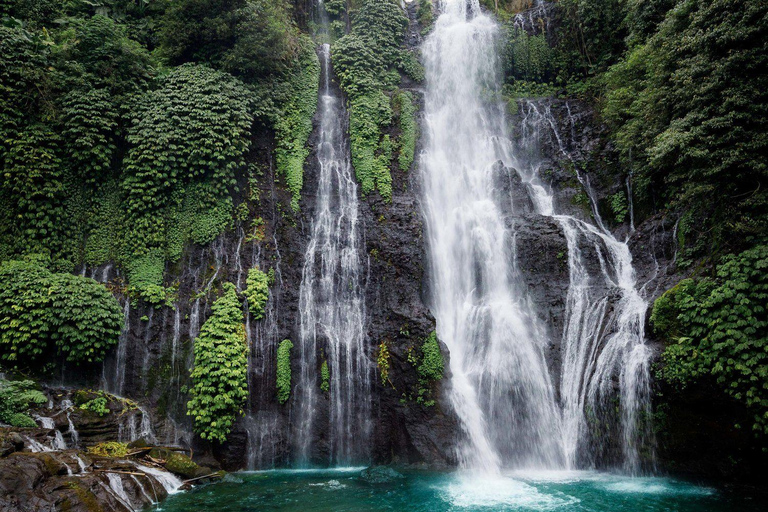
(262, 422)
(604, 333)
(331, 298)
(501, 388)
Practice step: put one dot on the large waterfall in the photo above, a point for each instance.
(502, 389)
(331, 301)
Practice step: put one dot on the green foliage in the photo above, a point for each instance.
(40, 309)
(405, 110)
(257, 292)
(432, 366)
(220, 375)
(108, 55)
(188, 138)
(366, 62)
(32, 188)
(109, 449)
(284, 371)
(325, 377)
(529, 56)
(590, 37)
(718, 328)
(383, 361)
(429, 367)
(689, 112)
(293, 124)
(97, 406)
(248, 38)
(426, 15)
(619, 206)
(16, 397)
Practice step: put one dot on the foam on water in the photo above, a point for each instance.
(501, 493)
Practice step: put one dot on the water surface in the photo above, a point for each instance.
(343, 490)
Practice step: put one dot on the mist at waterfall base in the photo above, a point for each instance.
(341, 490)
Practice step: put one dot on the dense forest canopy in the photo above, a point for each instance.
(127, 129)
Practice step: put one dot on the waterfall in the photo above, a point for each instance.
(331, 299)
(262, 422)
(604, 337)
(501, 388)
(115, 382)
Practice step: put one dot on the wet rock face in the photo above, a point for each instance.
(30, 482)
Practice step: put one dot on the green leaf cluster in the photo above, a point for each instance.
(284, 371)
(688, 108)
(16, 397)
(247, 38)
(430, 368)
(325, 377)
(40, 310)
(187, 140)
(97, 406)
(293, 122)
(257, 292)
(718, 328)
(367, 62)
(109, 449)
(220, 375)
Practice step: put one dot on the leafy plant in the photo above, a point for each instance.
(718, 328)
(220, 374)
(40, 309)
(383, 361)
(257, 292)
(293, 123)
(366, 62)
(16, 397)
(97, 406)
(689, 122)
(188, 139)
(284, 371)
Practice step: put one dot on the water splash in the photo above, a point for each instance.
(331, 297)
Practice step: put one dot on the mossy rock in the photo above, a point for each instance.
(182, 465)
(160, 453)
(52, 465)
(138, 444)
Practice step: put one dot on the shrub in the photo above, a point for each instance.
(366, 62)
(188, 139)
(220, 374)
(718, 328)
(325, 377)
(257, 292)
(293, 123)
(40, 309)
(249, 38)
(284, 371)
(97, 406)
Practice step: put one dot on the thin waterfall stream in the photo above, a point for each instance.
(506, 400)
(331, 300)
